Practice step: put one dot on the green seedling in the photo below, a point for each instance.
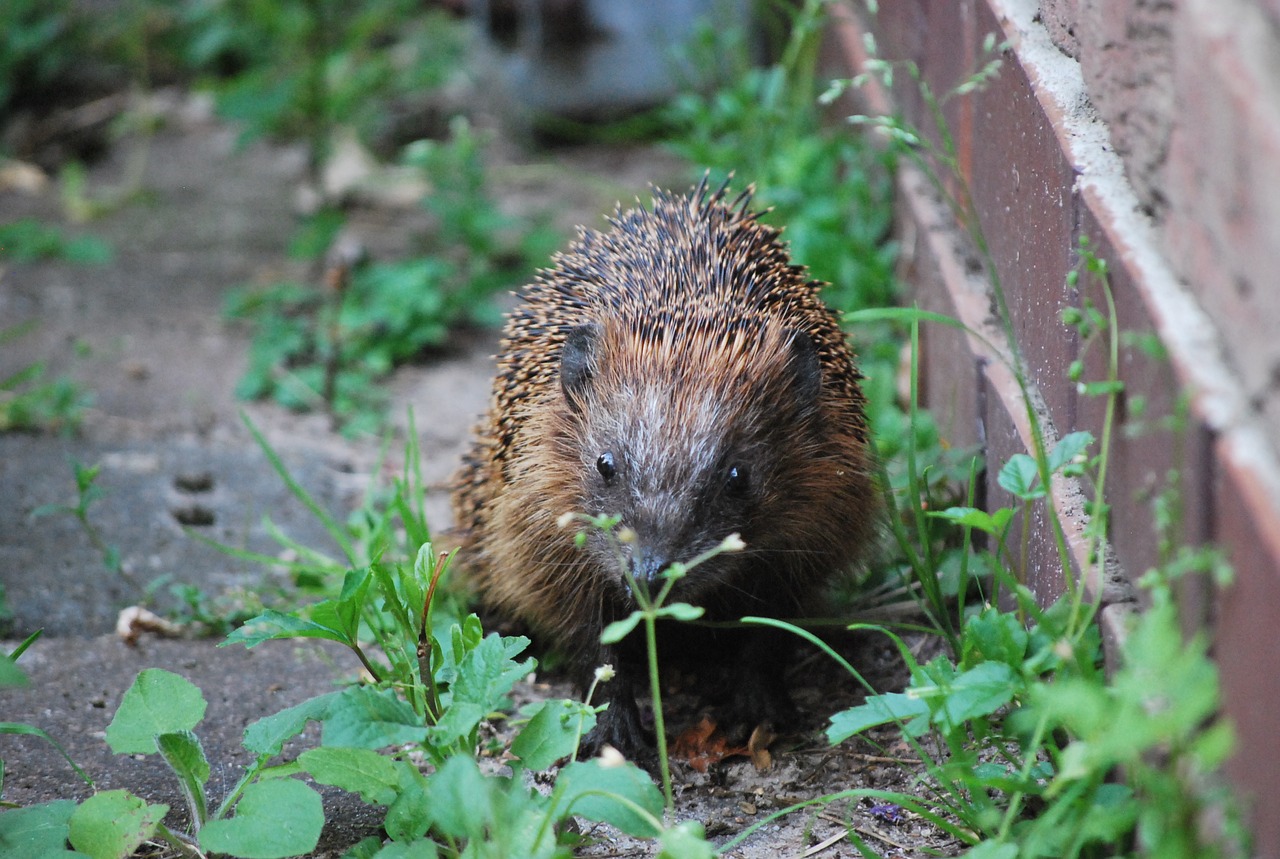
(650, 609)
(88, 492)
(327, 348)
(29, 402)
(12, 676)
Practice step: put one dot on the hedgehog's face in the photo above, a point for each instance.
(682, 444)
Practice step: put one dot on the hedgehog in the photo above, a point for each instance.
(676, 371)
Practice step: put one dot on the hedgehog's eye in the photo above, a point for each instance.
(605, 466)
(737, 481)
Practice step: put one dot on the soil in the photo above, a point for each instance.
(144, 333)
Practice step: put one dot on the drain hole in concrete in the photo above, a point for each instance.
(195, 515)
(192, 482)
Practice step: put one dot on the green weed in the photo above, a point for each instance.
(1021, 731)
(88, 492)
(27, 240)
(651, 608)
(831, 191)
(301, 69)
(29, 401)
(39, 45)
(12, 676)
(327, 348)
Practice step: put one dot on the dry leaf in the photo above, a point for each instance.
(758, 746)
(135, 620)
(700, 746)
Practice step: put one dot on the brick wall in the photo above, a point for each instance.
(1153, 128)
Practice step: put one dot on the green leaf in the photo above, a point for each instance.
(367, 718)
(485, 676)
(620, 795)
(993, 850)
(980, 691)
(880, 710)
(421, 848)
(686, 840)
(410, 815)
(375, 777)
(183, 753)
(158, 702)
(620, 629)
(272, 624)
(273, 819)
(1214, 745)
(901, 314)
(972, 517)
(341, 614)
(16, 653)
(1112, 815)
(35, 831)
(33, 731)
(1098, 389)
(681, 611)
(268, 735)
(113, 824)
(459, 798)
(314, 235)
(365, 848)
(1068, 448)
(997, 636)
(1019, 477)
(553, 733)
(11, 674)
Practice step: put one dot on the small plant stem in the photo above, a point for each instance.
(426, 672)
(1098, 533)
(177, 841)
(1012, 812)
(336, 280)
(799, 59)
(929, 582)
(659, 723)
(317, 92)
(368, 666)
(962, 592)
(335, 530)
(250, 773)
(964, 211)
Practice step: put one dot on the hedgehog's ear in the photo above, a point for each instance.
(576, 360)
(807, 367)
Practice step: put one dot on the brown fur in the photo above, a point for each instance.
(684, 344)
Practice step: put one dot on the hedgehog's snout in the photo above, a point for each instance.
(647, 565)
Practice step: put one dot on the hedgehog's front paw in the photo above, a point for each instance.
(756, 698)
(620, 726)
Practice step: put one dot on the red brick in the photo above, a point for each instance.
(937, 35)
(1021, 183)
(1035, 560)
(1248, 652)
(949, 372)
(1145, 448)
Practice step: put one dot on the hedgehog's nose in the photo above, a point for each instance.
(647, 567)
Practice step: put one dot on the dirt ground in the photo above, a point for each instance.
(144, 334)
